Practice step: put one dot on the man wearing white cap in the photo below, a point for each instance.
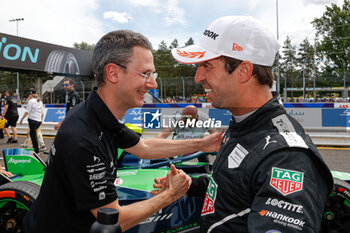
(268, 175)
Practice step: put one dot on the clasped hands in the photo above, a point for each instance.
(176, 182)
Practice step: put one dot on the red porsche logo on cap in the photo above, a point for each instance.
(190, 54)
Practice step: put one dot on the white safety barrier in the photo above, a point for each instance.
(326, 126)
(332, 136)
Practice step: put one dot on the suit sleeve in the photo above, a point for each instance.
(199, 186)
(127, 137)
(291, 195)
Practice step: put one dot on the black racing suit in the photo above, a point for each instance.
(268, 177)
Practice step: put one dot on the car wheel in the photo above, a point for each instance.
(15, 200)
(336, 216)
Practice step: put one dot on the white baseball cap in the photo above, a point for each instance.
(240, 37)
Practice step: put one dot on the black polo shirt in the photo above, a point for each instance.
(73, 99)
(81, 169)
(11, 101)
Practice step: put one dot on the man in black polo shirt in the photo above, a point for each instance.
(82, 165)
(72, 97)
(11, 115)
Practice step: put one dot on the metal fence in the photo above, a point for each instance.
(182, 89)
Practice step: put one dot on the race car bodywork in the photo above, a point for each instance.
(134, 183)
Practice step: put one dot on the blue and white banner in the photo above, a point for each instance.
(134, 116)
(222, 115)
(55, 114)
(307, 117)
(336, 117)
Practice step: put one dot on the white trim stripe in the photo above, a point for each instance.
(286, 129)
(189, 230)
(240, 214)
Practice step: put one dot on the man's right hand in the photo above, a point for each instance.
(177, 182)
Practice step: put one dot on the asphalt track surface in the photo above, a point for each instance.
(337, 158)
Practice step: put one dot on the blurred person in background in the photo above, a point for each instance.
(35, 117)
(189, 113)
(28, 142)
(11, 115)
(2, 103)
(72, 97)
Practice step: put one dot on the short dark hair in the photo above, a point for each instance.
(71, 81)
(115, 47)
(262, 73)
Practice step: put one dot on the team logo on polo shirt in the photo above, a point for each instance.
(151, 119)
(286, 181)
(210, 196)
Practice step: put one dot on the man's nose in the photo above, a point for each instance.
(151, 84)
(200, 74)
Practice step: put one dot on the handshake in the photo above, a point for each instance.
(175, 184)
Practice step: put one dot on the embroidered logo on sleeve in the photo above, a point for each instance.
(268, 141)
(236, 156)
(210, 196)
(287, 131)
(286, 181)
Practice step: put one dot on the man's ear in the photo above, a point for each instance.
(112, 72)
(245, 71)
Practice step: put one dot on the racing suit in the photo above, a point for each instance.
(268, 177)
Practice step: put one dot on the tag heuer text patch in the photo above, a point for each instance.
(210, 196)
(286, 181)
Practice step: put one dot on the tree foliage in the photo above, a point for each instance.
(306, 60)
(333, 30)
(327, 58)
(288, 63)
(84, 46)
(170, 71)
(174, 44)
(189, 42)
